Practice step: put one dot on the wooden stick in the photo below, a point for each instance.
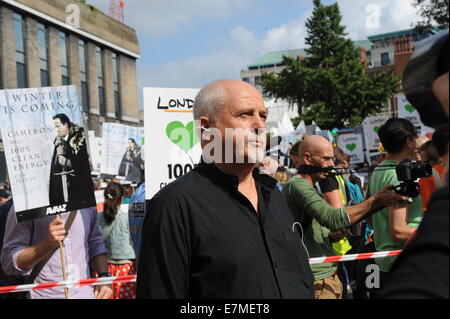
(61, 250)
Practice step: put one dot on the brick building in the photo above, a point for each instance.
(42, 43)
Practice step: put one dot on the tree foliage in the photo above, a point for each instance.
(330, 85)
(434, 12)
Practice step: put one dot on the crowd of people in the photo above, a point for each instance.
(232, 229)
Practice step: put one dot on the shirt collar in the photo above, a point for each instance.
(232, 181)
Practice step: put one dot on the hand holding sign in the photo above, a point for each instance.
(56, 232)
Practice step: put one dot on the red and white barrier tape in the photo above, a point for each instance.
(70, 284)
(132, 278)
(333, 259)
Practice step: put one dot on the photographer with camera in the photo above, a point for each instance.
(321, 223)
(421, 270)
(394, 226)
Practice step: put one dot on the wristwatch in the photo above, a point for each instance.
(104, 274)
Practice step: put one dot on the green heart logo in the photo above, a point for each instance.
(142, 141)
(351, 147)
(376, 129)
(409, 108)
(183, 136)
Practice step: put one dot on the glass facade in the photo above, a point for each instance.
(19, 31)
(82, 53)
(116, 77)
(101, 82)
(43, 54)
(63, 54)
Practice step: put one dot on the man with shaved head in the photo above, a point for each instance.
(318, 219)
(223, 230)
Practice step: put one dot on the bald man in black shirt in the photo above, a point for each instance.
(224, 230)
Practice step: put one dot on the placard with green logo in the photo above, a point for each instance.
(371, 125)
(173, 147)
(352, 145)
(407, 111)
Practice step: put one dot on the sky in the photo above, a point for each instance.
(189, 43)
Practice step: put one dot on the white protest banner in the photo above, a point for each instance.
(122, 151)
(352, 145)
(173, 147)
(46, 152)
(371, 125)
(407, 111)
(95, 152)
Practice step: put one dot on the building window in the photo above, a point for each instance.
(100, 77)
(43, 54)
(258, 80)
(1, 81)
(63, 39)
(246, 80)
(116, 78)
(19, 31)
(82, 52)
(385, 59)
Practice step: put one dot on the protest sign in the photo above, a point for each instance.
(122, 151)
(371, 126)
(46, 152)
(351, 144)
(407, 111)
(173, 147)
(95, 152)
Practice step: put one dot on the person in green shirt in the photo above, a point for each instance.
(394, 226)
(319, 220)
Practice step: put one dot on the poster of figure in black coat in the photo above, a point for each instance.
(45, 144)
(130, 166)
(123, 151)
(70, 163)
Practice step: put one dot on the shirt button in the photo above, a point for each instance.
(275, 265)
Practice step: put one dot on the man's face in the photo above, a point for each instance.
(322, 157)
(61, 129)
(411, 145)
(242, 124)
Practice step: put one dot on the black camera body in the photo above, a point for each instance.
(407, 173)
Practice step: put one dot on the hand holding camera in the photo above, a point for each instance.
(386, 197)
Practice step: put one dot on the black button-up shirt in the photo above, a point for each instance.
(202, 238)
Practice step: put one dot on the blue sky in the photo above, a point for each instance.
(188, 43)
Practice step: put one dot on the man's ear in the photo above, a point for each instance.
(203, 126)
(306, 156)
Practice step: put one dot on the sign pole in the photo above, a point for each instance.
(63, 264)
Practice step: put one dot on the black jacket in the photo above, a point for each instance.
(202, 238)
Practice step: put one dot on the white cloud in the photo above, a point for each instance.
(241, 46)
(158, 18)
(193, 72)
(287, 36)
(368, 17)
